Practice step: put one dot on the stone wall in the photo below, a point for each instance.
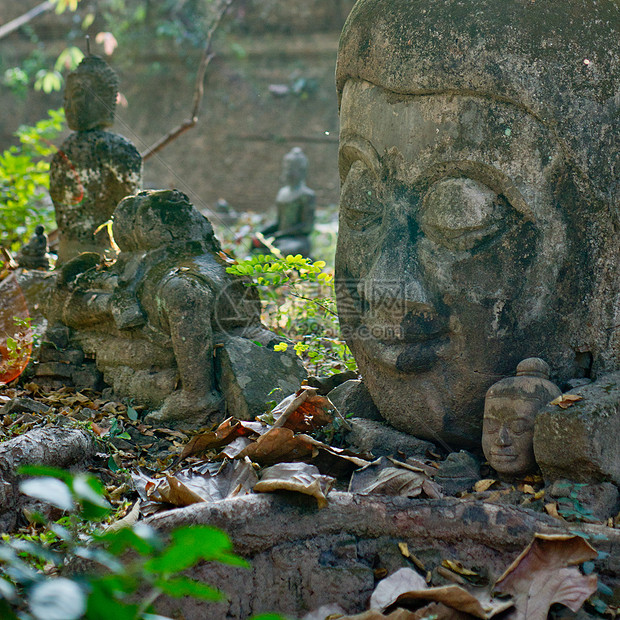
(244, 130)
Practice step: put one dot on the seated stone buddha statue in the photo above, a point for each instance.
(94, 168)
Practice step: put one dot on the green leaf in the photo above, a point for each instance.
(50, 491)
(44, 470)
(89, 489)
(103, 606)
(90, 493)
(6, 613)
(7, 591)
(141, 537)
(57, 599)
(192, 544)
(101, 557)
(183, 586)
(132, 414)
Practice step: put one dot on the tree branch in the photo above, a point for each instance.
(207, 56)
(18, 22)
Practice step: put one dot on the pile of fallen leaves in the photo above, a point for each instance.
(552, 569)
(148, 469)
(276, 452)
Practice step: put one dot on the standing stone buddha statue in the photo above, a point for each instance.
(94, 168)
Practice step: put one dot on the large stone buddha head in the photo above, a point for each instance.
(479, 217)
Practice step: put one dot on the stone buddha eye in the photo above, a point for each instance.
(360, 204)
(460, 213)
(491, 424)
(519, 426)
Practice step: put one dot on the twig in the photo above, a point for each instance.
(207, 56)
(314, 301)
(18, 22)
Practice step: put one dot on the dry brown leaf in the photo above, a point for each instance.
(98, 430)
(225, 433)
(297, 477)
(566, 400)
(389, 589)
(206, 483)
(552, 509)
(279, 445)
(544, 574)
(404, 549)
(387, 477)
(457, 567)
(480, 605)
(484, 485)
(234, 448)
(170, 490)
(304, 411)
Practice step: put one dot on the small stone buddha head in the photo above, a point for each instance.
(510, 410)
(90, 95)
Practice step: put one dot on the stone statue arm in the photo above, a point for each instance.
(81, 297)
(187, 305)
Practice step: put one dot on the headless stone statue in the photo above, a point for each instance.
(93, 169)
(151, 319)
(510, 410)
(34, 254)
(479, 205)
(295, 203)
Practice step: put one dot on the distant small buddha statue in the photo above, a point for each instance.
(295, 203)
(93, 169)
(34, 254)
(510, 409)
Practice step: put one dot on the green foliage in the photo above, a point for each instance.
(24, 181)
(299, 303)
(129, 567)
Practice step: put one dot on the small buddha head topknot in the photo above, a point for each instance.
(90, 95)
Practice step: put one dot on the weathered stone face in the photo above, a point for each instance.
(471, 233)
(90, 95)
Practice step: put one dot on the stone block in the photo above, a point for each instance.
(247, 375)
(49, 353)
(87, 376)
(458, 472)
(60, 370)
(383, 440)
(352, 397)
(582, 442)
